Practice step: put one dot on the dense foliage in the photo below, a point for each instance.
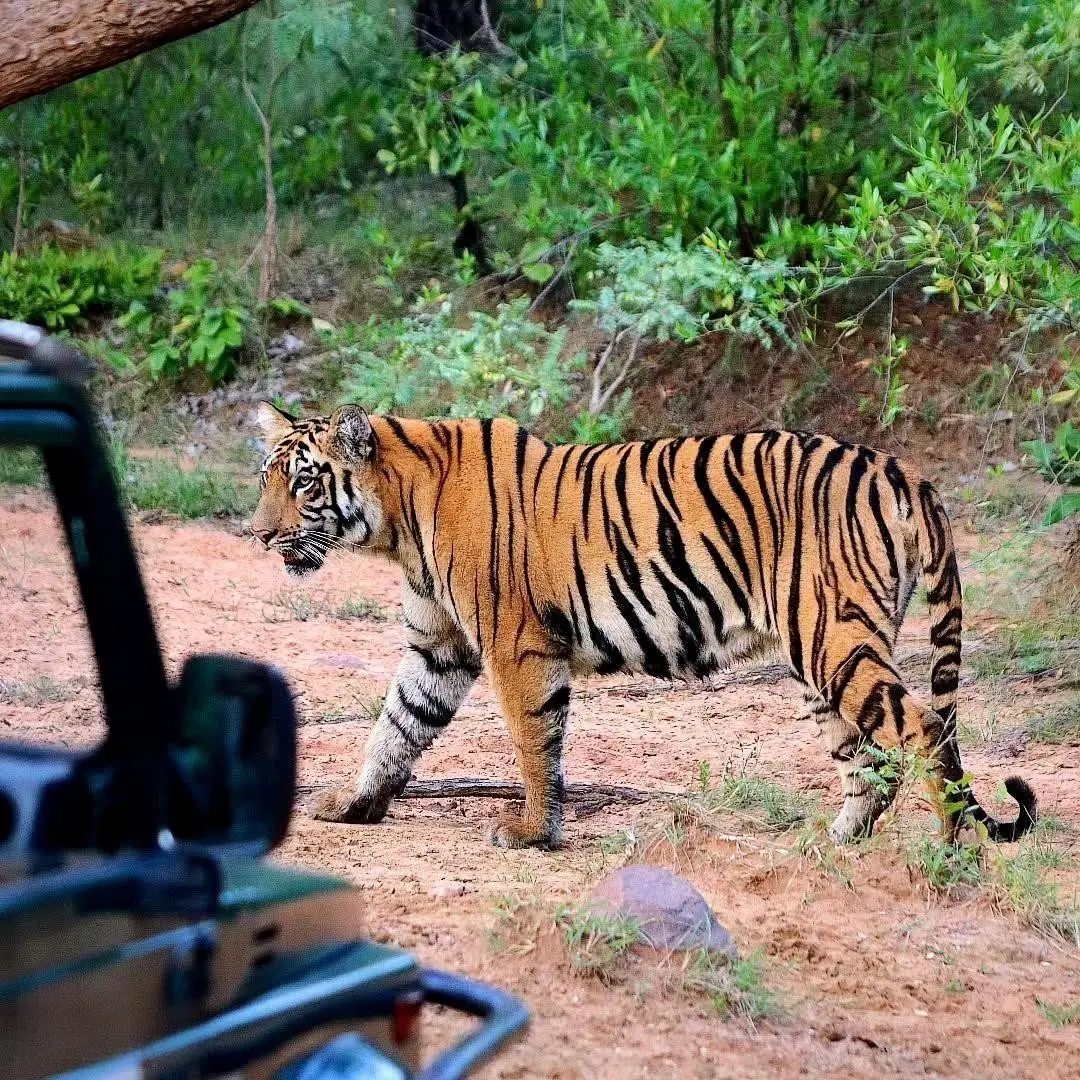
(671, 167)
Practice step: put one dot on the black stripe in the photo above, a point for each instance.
(751, 521)
(629, 569)
(587, 485)
(664, 477)
(522, 442)
(722, 521)
(440, 432)
(457, 661)
(793, 628)
(673, 551)
(605, 511)
(612, 659)
(690, 655)
(553, 743)
(548, 449)
(424, 713)
(406, 734)
(558, 627)
(589, 454)
(493, 561)
(768, 499)
(620, 491)
(558, 482)
(654, 662)
(821, 627)
(733, 587)
(646, 450)
(557, 701)
(852, 612)
(399, 431)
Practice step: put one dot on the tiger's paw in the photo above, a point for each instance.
(512, 831)
(855, 821)
(351, 808)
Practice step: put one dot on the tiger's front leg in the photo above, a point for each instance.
(433, 679)
(534, 691)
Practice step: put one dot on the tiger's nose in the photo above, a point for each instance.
(264, 536)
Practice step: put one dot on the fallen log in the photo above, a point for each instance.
(584, 799)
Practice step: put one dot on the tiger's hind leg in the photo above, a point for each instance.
(869, 696)
(864, 798)
(433, 679)
(534, 691)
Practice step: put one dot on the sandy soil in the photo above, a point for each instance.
(877, 975)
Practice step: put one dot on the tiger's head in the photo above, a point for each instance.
(318, 486)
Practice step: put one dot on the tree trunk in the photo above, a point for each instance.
(43, 45)
(439, 25)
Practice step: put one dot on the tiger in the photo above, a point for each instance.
(676, 558)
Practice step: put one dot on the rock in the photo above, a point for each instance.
(672, 913)
(446, 889)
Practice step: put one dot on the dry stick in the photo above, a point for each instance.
(559, 274)
(585, 798)
(269, 243)
(20, 206)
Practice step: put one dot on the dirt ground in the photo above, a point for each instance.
(877, 976)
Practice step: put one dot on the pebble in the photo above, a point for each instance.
(446, 889)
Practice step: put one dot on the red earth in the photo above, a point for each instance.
(876, 974)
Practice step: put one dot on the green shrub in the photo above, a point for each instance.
(200, 327)
(427, 364)
(1059, 462)
(59, 291)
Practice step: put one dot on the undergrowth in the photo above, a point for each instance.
(20, 466)
(190, 493)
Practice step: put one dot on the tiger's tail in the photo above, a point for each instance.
(942, 577)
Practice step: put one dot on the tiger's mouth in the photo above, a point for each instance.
(297, 564)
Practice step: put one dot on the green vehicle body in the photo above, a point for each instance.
(143, 931)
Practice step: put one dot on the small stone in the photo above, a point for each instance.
(445, 889)
(672, 914)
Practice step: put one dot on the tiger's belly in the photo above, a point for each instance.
(684, 647)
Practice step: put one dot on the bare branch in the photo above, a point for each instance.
(559, 275)
(489, 39)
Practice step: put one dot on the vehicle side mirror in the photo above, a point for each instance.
(233, 755)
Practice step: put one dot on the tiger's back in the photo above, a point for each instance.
(674, 558)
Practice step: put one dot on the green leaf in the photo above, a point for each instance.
(1063, 507)
(534, 250)
(538, 272)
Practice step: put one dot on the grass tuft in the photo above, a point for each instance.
(360, 607)
(1058, 724)
(765, 802)
(188, 493)
(1059, 1016)
(598, 943)
(736, 988)
(945, 866)
(21, 466)
(39, 690)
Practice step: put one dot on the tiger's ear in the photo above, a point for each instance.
(351, 435)
(275, 422)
